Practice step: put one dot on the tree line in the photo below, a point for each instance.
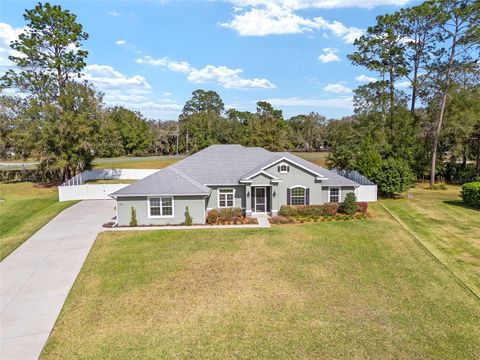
(432, 129)
(394, 136)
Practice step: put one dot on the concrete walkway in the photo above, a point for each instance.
(262, 220)
(36, 278)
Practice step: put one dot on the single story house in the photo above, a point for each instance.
(224, 176)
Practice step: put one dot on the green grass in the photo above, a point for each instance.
(446, 227)
(147, 162)
(343, 290)
(25, 208)
(158, 162)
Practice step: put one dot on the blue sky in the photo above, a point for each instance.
(150, 55)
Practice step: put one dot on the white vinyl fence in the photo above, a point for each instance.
(78, 188)
(367, 193)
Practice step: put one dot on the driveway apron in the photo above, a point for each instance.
(36, 278)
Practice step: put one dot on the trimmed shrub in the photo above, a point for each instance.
(282, 220)
(471, 194)
(329, 209)
(227, 214)
(309, 210)
(188, 217)
(362, 207)
(287, 210)
(212, 217)
(349, 205)
(133, 217)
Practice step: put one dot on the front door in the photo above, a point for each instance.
(260, 199)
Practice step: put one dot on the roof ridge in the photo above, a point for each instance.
(187, 177)
(260, 167)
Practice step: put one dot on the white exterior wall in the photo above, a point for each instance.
(110, 174)
(88, 192)
(367, 193)
(76, 189)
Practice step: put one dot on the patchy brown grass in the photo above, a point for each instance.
(148, 162)
(319, 158)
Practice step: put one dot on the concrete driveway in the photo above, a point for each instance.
(36, 278)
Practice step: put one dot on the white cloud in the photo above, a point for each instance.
(329, 55)
(403, 84)
(178, 66)
(270, 18)
(120, 42)
(113, 13)
(7, 34)
(133, 92)
(343, 102)
(227, 77)
(319, 4)
(365, 78)
(107, 78)
(337, 88)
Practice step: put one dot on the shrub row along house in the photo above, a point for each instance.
(229, 176)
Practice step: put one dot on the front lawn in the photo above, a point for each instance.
(24, 209)
(340, 290)
(450, 230)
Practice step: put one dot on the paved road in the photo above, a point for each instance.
(18, 165)
(37, 277)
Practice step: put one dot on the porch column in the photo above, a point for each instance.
(275, 206)
(248, 200)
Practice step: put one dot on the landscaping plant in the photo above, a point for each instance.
(188, 217)
(212, 217)
(133, 217)
(362, 207)
(329, 209)
(349, 205)
(471, 194)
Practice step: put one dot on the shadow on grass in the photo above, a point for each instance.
(459, 203)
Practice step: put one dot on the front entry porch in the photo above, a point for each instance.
(261, 199)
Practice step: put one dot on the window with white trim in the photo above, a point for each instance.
(334, 195)
(297, 196)
(226, 198)
(160, 206)
(284, 168)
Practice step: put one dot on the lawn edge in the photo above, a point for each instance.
(425, 247)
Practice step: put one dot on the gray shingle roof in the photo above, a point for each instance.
(333, 179)
(167, 181)
(219, 165)
(223, 164)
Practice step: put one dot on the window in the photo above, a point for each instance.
(225, 198)
(283, 168)
(334, 195)
(160, 207)
(297, 196)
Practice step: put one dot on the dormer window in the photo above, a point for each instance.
(283, 168)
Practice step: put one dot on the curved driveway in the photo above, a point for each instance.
(36, 278)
